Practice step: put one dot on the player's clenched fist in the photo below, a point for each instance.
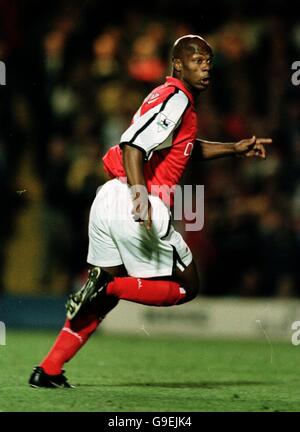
(141, 210)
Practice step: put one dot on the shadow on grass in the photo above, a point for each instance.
(180, 385)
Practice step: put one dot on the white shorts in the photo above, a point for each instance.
(115, 238)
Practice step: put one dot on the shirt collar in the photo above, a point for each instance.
(179, 84)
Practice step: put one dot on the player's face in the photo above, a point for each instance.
(195, 70)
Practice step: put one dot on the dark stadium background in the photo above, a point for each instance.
(77, 71)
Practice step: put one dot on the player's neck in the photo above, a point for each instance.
(194, 92)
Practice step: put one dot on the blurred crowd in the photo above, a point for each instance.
(76, 77)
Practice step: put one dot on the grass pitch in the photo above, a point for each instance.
(145, 373)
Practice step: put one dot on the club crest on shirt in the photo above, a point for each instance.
(164, 122)
(152, 98)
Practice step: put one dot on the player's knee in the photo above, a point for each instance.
(191, 293)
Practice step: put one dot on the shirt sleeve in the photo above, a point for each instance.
(156, 126)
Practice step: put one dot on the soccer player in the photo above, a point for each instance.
(134, 251)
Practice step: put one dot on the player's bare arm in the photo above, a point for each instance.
(251, 147)
(133, 160)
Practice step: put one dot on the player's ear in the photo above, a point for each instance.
(177, 65)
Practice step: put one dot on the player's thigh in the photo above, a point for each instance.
(146, 255)
(117, 271)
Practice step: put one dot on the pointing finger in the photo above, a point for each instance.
(264, 140)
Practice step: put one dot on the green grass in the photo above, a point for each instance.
(116, 373)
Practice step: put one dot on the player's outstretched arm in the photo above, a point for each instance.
(250, 147)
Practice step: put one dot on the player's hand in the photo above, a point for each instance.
(252, 147)
(142, 211)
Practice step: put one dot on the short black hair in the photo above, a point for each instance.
(189, 44)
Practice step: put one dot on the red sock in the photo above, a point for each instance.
(146, 291)
(70, 339)
(74, 335)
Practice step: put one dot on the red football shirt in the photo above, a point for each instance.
(164, 128)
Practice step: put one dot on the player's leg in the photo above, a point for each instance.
(72, 337)
(163, 291)
(179, 288)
